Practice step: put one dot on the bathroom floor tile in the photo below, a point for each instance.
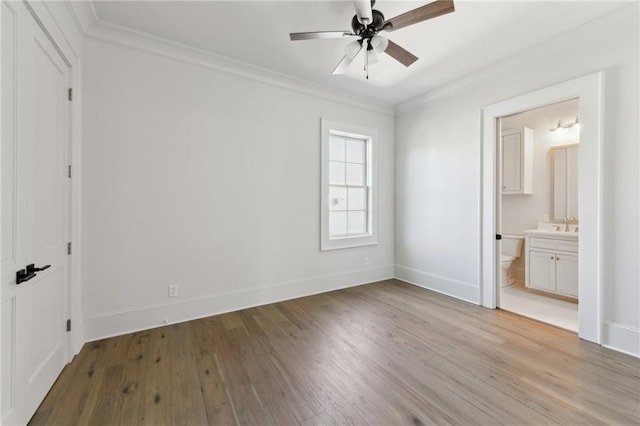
(516, 298)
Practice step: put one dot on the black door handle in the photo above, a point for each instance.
(22, 276)
(31, 268)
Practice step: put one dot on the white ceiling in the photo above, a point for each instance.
(478, 33)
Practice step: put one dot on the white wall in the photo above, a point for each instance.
(211, 181)
(438, 158)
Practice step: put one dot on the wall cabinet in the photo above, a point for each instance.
(552, 264)
(517, 161)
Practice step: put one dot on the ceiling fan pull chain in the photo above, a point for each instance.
(366, 58)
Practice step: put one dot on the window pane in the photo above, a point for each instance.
(337, 198)
(355, 174)
(356, 199)
(356, 223)
(337, 223)
(336, 173)
(336, 148)
(355, 151)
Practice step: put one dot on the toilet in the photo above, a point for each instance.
(511, 249)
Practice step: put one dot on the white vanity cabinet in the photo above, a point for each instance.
(551, 262)
(517, 161)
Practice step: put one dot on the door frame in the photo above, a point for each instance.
(589, 89)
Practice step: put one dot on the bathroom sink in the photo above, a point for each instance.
(546, 226)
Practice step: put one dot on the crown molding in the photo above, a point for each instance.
(83, 13)
(115, 34)
(486, 72)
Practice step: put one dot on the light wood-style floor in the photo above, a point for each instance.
(386, 354)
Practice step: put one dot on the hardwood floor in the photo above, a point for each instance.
(386, 353)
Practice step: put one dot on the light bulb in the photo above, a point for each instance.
(352, 49)
(379, 43)
(372, 57)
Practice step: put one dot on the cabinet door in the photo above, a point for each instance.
(542, 270)
(567, 274)
(572, 181)
(511, 163)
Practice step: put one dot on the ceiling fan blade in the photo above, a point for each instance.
(345, 62)
(428, 11)
(316, 35)
(342, 66)
(363, 11)
(400, 54)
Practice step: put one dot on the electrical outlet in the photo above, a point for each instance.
(366, 261)
(173, 291)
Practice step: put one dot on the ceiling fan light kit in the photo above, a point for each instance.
(367, 23)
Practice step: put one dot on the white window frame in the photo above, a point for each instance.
(370, 136)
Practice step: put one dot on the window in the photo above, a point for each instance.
(348, 186)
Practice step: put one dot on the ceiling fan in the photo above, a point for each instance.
(366, 25)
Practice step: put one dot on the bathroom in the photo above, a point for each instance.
(539, 221)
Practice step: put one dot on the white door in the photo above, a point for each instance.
(35, 212)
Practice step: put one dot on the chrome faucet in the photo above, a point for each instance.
(567, 221)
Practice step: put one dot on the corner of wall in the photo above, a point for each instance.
(116, 34)
(621, 338)
(465, 291)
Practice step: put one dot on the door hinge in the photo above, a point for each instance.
(68, 248)
(69, 325)
(70, 94)
(69, 171)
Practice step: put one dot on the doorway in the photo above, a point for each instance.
(589, 90)
(538, 213)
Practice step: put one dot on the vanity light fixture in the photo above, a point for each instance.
(575, 125)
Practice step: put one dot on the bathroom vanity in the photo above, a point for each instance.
(551, 260)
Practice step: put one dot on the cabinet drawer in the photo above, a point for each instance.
(553, 244)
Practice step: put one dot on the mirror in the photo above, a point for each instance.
(564, 181)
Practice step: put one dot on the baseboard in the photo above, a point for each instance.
(459, 289)
(621, 338)
(143, 318)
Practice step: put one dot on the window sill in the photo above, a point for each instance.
(348, 242)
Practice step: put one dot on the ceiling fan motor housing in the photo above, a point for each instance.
(370, 30)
